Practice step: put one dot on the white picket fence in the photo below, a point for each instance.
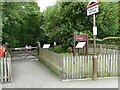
(80, 67)
(5, 68)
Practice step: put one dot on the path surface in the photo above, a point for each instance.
(33, 74)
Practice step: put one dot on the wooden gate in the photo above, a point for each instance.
(23, 53)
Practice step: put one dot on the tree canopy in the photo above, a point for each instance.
(23, 23)
(65, 18)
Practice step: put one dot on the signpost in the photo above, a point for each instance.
(83, 38)
(78, 37)
(92, 8)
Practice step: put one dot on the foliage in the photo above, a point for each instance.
(0, 22)
(65, 18)
(107, 19)
(58, 49)
(22, 23)
(25, 24)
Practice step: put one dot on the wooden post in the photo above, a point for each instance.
(94, 53)
(74, 56)
(5, 69)
(100, 48)
(73, 48)
(64, 68)
(86, 46)
(67, 67)
(78, 51)
(2, 59)
(38, 48)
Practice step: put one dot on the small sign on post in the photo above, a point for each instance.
(92, 10)
(78, 37)
(92, 7)
(82, 38)
(94, 30)
(80, 45)
(46, 46)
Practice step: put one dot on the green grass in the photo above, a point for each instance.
(34, 52)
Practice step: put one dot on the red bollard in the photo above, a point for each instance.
(2, 51)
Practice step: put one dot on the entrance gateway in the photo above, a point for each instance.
(24, 53)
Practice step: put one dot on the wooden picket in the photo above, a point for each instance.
(80, 67)
(5, 66)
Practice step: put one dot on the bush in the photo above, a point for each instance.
(57, 49)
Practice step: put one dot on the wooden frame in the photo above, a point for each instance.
(80, 37)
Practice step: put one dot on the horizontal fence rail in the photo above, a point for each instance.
(24, 53)
(5, 68)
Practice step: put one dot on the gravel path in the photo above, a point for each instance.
(33, 74)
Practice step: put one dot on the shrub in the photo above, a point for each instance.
(57, 49)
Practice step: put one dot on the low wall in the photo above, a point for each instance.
(53, 60)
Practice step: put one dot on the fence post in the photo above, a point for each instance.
(100, 48)
(2, 59)
(38, 48)
(64, 68)
(74, 67)
(5, 69)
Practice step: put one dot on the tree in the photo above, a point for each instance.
(107, 19)
(0, 23)
(65, 18)
(22, 23)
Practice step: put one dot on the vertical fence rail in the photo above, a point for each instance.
(116, 61)
(64, 75)
(5, 71)
(2, 75)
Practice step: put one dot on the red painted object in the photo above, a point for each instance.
(92, 3)
(82, 37)
(2, 51)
